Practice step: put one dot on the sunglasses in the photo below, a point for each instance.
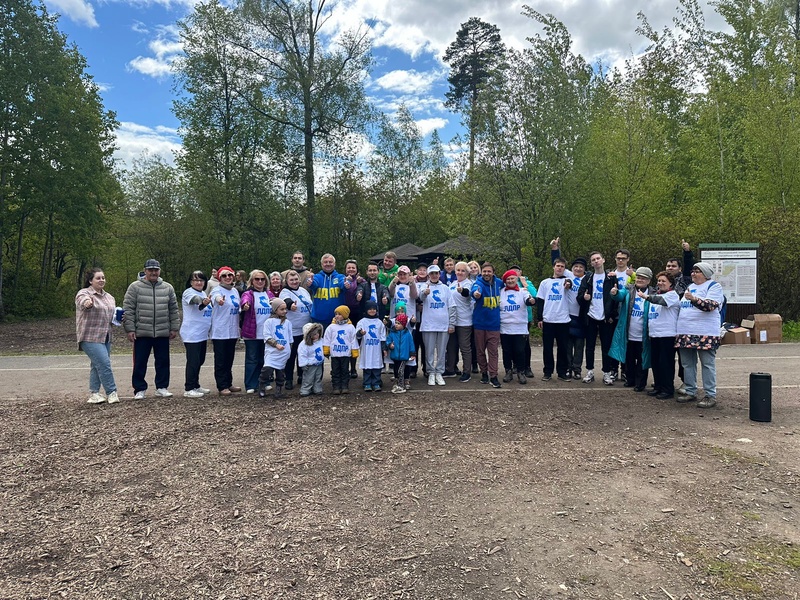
(227, 275)
(259, 278)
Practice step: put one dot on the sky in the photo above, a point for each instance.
(130, 44)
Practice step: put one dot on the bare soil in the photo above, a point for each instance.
(554, 490)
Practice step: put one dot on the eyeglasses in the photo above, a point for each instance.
(620, 257)
(696, 271)
(227, 275)
(259, 278)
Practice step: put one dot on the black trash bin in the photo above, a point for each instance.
(761, 397)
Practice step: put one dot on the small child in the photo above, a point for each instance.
(277, 347)
(339, 342)
(371, 333)
(311, 359)
(400, 347)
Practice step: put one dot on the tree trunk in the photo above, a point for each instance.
(18, 262)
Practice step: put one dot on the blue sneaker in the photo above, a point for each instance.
(377, 388)
(367, 388)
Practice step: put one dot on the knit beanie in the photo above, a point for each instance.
(705, 268)
(370, 305)
(275, 304)
(401, 318)
(343, 312)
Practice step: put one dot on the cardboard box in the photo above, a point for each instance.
(764, 329)
(737, 335)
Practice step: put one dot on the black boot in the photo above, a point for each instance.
(278, 390)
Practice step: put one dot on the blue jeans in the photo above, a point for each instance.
(253, 363)
(100, 373)
(689, 358)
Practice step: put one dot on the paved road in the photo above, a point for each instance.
(26, 376)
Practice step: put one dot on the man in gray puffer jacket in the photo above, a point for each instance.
(151, 320)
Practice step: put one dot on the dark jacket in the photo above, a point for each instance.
(683, 282)
(610, 308)
(381, 292)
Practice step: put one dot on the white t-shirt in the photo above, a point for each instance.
(596, 309)
(435, 306)
(463, 305)
(310, 355)
(636, 318)
(622, 278)
(262, 308)
(281, 332)
(556, 307)
(225, 317)
(692, 320)
(196, 323)
(662, 321)
(402, 293)
(302, 315)
(572, 293)
(341, 339)
(370, 355)
(513, 311)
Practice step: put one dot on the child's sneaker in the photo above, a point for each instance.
(367, 388)
(408, 385)
(376, 388)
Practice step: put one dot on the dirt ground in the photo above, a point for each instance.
(551, 490)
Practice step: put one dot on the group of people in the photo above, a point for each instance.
(640, 325)
(292, 321)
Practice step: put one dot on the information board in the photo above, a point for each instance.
(736, 270)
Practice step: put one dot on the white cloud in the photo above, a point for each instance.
(79, 11)
(427, 126)
(134, 139)
(165, 47)
(407, 82)
(597, 27)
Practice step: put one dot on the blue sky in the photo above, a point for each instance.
(129, 45)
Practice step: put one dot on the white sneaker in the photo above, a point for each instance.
(431, 379)
(140, 395)
(113, 398)
(589, 377)
(202, 390)
(251, 391)
(608, 379)
(164, 393)
(439, 379)
(193, 394)
(96, 398)
(681, 390)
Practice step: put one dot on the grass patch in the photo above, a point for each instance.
(791, 331)
(749, 568)
(729, 455)
(752, 516)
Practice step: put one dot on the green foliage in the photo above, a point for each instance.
(56, 184)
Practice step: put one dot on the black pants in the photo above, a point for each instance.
(141, 355)
(340, 372)
(559, 333)
(636, 375)
(195, 357)
(528, 351)
(606, 331)
(420, 346)
(224, 353)
(662, 359)
(269, 374)
(514, 351)
(293, 361)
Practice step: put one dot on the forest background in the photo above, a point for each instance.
(697, 138)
